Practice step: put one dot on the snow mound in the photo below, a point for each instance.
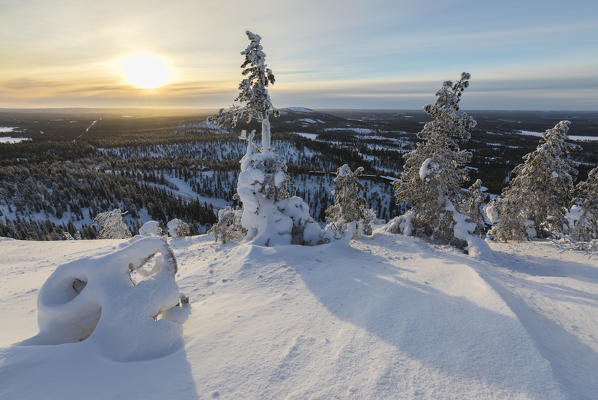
(151, 228)
(124, 303)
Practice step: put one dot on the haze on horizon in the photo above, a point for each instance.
(384, 54)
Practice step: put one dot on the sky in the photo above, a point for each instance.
(378, 54)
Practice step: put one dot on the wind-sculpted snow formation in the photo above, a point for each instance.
(270, 215)
(125, 304)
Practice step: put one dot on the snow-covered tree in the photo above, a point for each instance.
(177, 228)
(253, 100)
(270, 215)
(535, 202)
(583, 216)
(111, 225)
(151, 228)
(228, 228)
(349, 213)
(433, 173)
(472, 206)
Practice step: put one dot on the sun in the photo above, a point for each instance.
(145, 71)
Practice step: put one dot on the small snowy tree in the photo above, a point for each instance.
(151, 228)
(349, 214)
(535, 202)
(270, 215)
(253, 100)
(432, 175)
(177, 228)
(111, 225)
(583, 215)
(228, 228)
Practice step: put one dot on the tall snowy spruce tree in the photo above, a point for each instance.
(583, 216)
(433, 173)
(535, 202)
(349, 215)
(253, 100)
(270, 215)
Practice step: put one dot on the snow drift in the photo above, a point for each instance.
(125, 303)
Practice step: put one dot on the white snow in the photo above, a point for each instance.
(426, 167)
(7, 129)
(356, 130)
(151, 228)
(310, 136)
(11, 140)
(388, 317)
(575, 138)
(306, 120)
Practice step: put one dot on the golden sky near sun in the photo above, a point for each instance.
(376, 54)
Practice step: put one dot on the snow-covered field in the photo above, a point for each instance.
(11, 140)
(389, 317)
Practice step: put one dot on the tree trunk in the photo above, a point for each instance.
(266, 134)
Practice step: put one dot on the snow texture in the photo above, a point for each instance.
(388, 317)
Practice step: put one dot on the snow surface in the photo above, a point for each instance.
(388, 317)
(569, 137)
(7, 129)
(11, 140)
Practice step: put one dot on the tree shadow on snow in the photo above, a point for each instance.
(447, 333)
(574, 363)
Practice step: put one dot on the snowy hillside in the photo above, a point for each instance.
(389, 317)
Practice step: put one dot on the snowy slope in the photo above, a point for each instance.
(387, 318)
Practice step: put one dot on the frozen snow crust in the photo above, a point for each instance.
(384, 317)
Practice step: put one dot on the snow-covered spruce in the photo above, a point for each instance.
(433, 173)
(349, 215)
(228, 228)
(582, 218)
(270, 215)
(126, 304)
(535, 202)
(177, 228)
(151, 228)
(111, 225)
(253, 100)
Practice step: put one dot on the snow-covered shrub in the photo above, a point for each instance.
(126, 304)
(432, 175)
(111, 225)
(535, 202)
(228, 228)
(349, 214)
(177, 228)
(270, 215)
(582, 217)
(151, 228)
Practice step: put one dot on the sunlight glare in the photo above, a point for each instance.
(145, 71)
